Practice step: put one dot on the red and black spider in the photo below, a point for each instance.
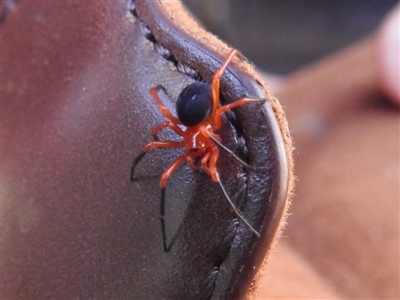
(199, 112)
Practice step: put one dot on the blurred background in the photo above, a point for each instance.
(282, 36)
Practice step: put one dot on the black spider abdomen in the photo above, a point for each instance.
(194, 103)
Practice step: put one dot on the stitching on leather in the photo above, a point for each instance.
(240, 198)
(164, 52)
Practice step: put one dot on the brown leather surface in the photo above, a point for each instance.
(75, 112)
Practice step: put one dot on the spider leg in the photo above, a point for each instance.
(190, 162)
(170, 125)
(204, 162)
(230, 152)
(163, 183)
(217, 116)
(151, 145)
(216, 139)
(215, 81)
(166, 113)
(211, 159)
(237, 212)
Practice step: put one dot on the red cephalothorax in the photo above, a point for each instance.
(199, 118)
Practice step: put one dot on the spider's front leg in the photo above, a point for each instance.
(163, 184)
(151, 145)
(217, 140)
(209, 162)
(189, 161)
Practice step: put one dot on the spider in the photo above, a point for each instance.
(199, 111)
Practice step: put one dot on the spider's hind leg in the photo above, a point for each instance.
(221, 110)
(166, 113)
(169, 125)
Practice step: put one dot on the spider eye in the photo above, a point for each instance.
(194, 103)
